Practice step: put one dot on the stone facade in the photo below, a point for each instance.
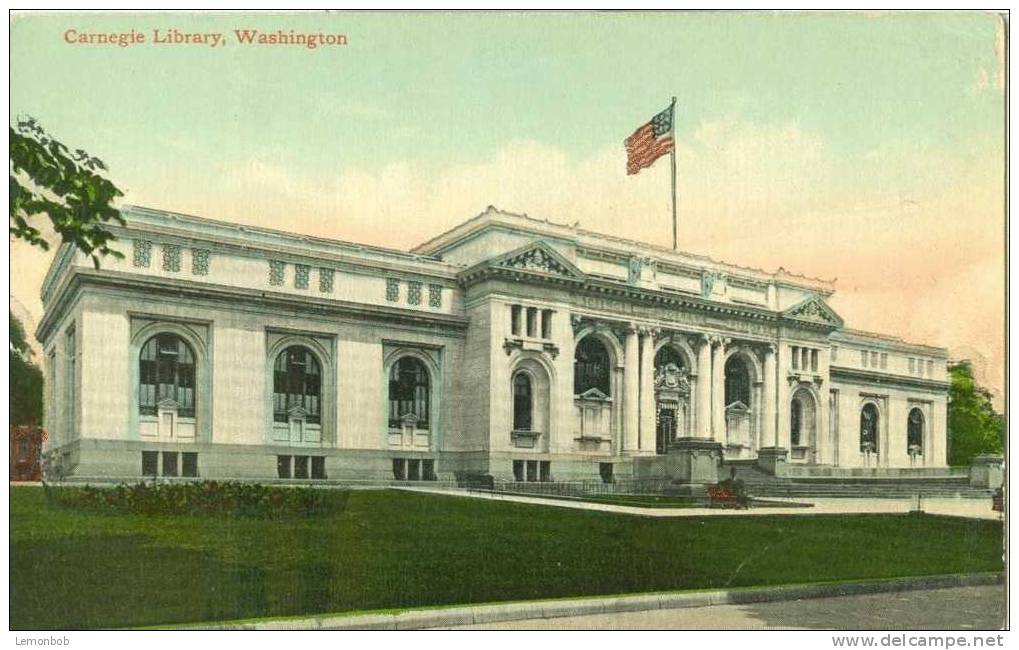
(507, 346)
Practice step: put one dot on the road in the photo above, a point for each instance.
(959, 608)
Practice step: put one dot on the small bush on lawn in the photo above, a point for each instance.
(202, 498)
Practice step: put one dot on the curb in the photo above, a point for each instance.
(482, 614)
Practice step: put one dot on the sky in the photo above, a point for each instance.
(867, 148)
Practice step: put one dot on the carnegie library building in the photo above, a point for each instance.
(507, 347)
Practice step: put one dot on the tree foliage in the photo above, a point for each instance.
(47, 178)
(973, 425)
(25, 379)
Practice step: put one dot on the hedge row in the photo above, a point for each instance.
(202, 498)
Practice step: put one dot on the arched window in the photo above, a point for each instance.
(795, 422)
(523, 402)
(166, 370)
(868, 428)
(737, 382)
(667, 355)
(297, 381)
(591, 367)
(914, 431)
(408, 392)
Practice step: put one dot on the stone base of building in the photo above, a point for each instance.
(773, 460)
(694, 461)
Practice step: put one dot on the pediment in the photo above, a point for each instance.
(737, 407)
(593, 394)
(167, 404)
(297, 413)
(538, 257)
(813, 310)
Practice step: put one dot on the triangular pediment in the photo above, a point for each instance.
(593, 394)
(538, 257)
(737, 407)
(813, 310)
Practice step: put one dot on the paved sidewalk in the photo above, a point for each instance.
(958, 608)
(975, 508)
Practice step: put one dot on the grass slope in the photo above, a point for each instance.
(393, 549)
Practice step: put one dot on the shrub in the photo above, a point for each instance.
(202, 498)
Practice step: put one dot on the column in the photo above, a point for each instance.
(631, 390)
(718, 390)
(702, 406)
(769, 437)
(648, 433)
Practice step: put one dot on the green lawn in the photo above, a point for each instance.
(393, 549)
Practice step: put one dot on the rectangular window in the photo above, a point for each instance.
(546, 323)
(435, 296)
(532, 471)
(834, 353)
(515, 320)
(413, 469)
(300, 467)
(884, 360)
(813, 360)
(189, 464)
(169, 463)
(428, 469)
(863, 358)
(912, 365)
(805, 361)
(399, 469)
(283, 466)
(392, 289)
(302, 273)
(277, 269)
(532, 322)
(873, 360)
(318, 467)
(518, 470)
(930, 368)
(150, 463)
(796, 357)
(325, 280)
(414, 292)
(545, 471)
(605, 469)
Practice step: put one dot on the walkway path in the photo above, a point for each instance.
(975, 508)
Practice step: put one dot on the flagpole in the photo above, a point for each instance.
(675, 227)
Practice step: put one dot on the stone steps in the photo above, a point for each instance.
(760, 483)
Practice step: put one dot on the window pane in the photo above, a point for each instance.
(318, 467)
(413, 470)
(428, 470)
(399, 469)
(532, 470)
(545, 470)
(189, 464)
(591, 366)
(300, 467)
(518, 470)
(283, 466)
(150, 463)
(169, 463)
(522, 402)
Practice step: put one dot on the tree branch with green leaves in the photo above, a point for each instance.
(69, 187)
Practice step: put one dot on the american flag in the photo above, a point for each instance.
(649, 142)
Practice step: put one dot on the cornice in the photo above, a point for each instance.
(871, 378)
(423, 268)
(232, 296)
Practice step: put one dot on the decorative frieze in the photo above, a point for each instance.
(325, 280)
(277, 270)
(171, 258)
(142, 253)
(302, 273)
(200, 261)
(392, 289)
(414, 292)
(435, 296)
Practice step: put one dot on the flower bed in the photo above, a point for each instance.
(202, 498)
